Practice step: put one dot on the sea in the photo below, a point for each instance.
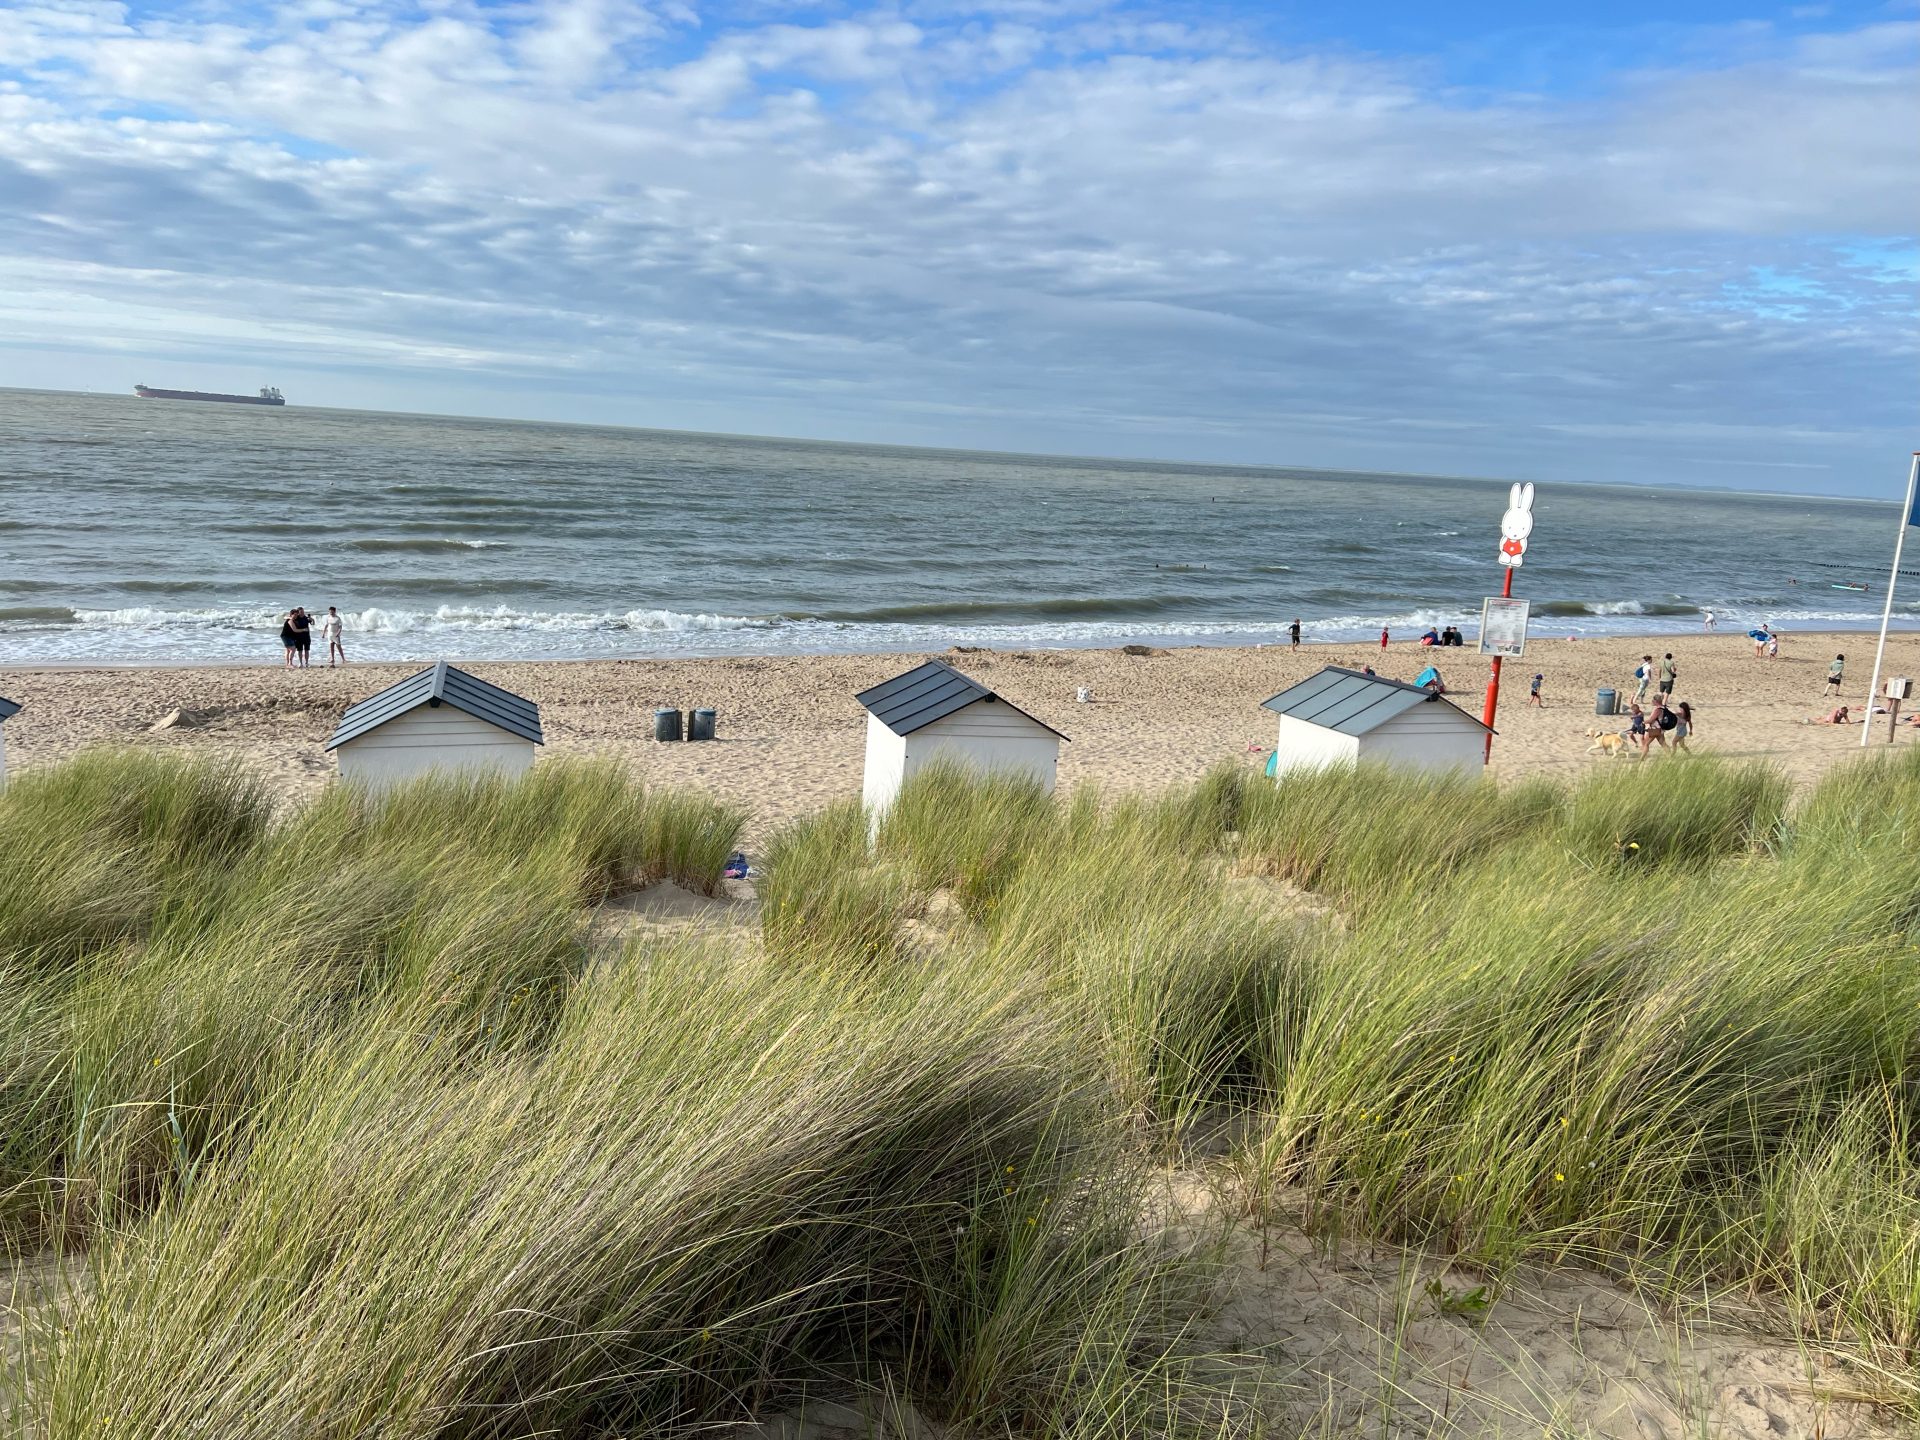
(154, 531)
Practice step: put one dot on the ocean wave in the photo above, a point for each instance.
(1567, 608)
(966, 611)
(381, 621)
(502, 617)
(426, 546)
(36, 615)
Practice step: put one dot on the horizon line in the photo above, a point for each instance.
(1664, 488)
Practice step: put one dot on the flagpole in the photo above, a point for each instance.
(1886, 615)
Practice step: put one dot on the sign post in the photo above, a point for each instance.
(1515, 526)
(1909, 516)
(1503, 627)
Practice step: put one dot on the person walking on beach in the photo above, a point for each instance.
(1669, 672)
(1683, 727)
(1293, 632)
(1637, 727)
(1653, 729)
(1383, 637)
(330, 628)
(1836, 672)
(1643, 674)
(1533, 692)
(288, 637)
(1773, 644)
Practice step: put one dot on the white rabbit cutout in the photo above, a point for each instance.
(1516, 525)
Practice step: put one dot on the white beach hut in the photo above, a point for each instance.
(935, 711)
(8, 709)
(441, 719)
(1342, 717)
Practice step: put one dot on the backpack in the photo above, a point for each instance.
(1668, 719)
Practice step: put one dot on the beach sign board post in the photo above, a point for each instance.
(1909, 516)
(1503, 627)
(1515, 526)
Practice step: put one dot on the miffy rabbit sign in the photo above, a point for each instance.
(1516, 525)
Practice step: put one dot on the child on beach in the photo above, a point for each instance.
(1835, 673)
(1837, 716)
(1383, 637)
(1683, 726)
(1533, 692)
(1293, 634)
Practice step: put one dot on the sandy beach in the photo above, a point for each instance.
(791, 736)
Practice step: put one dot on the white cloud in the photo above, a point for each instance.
(1071, 218)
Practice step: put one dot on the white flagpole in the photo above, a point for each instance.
(1886, 616)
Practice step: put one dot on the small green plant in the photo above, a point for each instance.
(1463, 1304)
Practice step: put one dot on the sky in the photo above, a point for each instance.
(1639, 242)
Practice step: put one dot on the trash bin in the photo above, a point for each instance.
(666, 724)
(699, 724)
(1606, 702)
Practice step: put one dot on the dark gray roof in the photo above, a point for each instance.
(1353, 703)
(442, 685)
(931, 692)
(8, 708)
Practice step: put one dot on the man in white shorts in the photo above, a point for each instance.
(330, 628)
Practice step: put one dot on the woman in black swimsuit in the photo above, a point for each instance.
(288, 637)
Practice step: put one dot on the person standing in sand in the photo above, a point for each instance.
(302, 624)
(288, 638)
(1669, 672)
(330, 628)
(1383, 637)
(1533, 692)
(1643, 675)
(1293, 632)
(1836, 673)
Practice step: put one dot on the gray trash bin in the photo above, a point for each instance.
(666, 724)
(1606, 702)
(700, 724)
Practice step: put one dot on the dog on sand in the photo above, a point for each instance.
(1605, 742)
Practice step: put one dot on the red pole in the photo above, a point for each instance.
(1493, 685)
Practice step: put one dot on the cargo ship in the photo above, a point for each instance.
(268, 396)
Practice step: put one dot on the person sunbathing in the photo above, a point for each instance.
(1834, 717)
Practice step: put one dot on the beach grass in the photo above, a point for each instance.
(349, 1127)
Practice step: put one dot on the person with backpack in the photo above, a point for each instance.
(1643, 673)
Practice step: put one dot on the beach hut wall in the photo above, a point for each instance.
(935, 712)
(439, 719)
(1343, 717)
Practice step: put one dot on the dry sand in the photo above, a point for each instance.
(791, 736)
